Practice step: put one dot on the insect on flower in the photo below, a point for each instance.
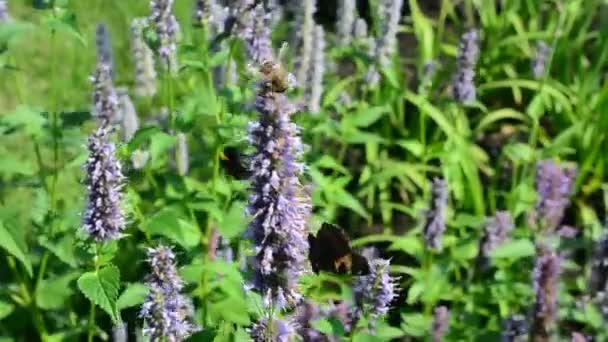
(275, 76)
(330, 251)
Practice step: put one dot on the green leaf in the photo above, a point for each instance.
(11, 244)
(409, 244)
(232, 309)
(5, 309)
(27, 119)
(52, 293)
(169, 222)
(11, 166)
(387, 333)
(415, 324)
(65, 21)
(323, 326)
(63, 249)
(366, 116)
(133, 295)
(347, 200)
(101, 287)
(365, 337)
(234, 221)
(160, 143)
(514, 249)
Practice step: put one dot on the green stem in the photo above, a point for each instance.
(91, 328)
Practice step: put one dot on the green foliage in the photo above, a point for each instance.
(372, 152)
(101, 287)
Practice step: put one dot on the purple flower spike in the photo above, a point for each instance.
(440, 323)
(275, 331)
(104, 45)
(278, 205)
(374, 292)
(105, 98)
(543, 51)
(546, 276)
(464, 84)
(260, 46)
(167, 30)
(435, 224)
(514, 328)
(554, 185)
(103, 218)
(143, 60)
(166, 312)
(496, 231)
(4, 17)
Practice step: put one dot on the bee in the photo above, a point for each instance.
(274, 75)
(330, 251)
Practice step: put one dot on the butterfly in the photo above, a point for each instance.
(331, 252)
(233, 163)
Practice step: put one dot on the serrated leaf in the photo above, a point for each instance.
(101, 287)
(11, 245)
(133, 295)
(514, 250)
(52, 293)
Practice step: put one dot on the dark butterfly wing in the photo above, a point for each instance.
(314, 253)
(233, 163)
(360, 265)
(330, 251)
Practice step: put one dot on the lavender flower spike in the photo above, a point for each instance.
(347, 11)
(167, 30)
(104, 45)
(259, 46)
(496, 230)
(143, 60)
(514, 328)
(463, 87)
(598, 282)
(166, 312)
(105, 99)
(318, 70)
(4, 17)
(278, 204)
(306, 25)
(103, 218)
(211, 13)
(554, 185)
(546, 276)
(540, 61)
(435, 225)
(440, 323)
(130, 121)
(390, 10)
(374, 292)
(276, 331)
